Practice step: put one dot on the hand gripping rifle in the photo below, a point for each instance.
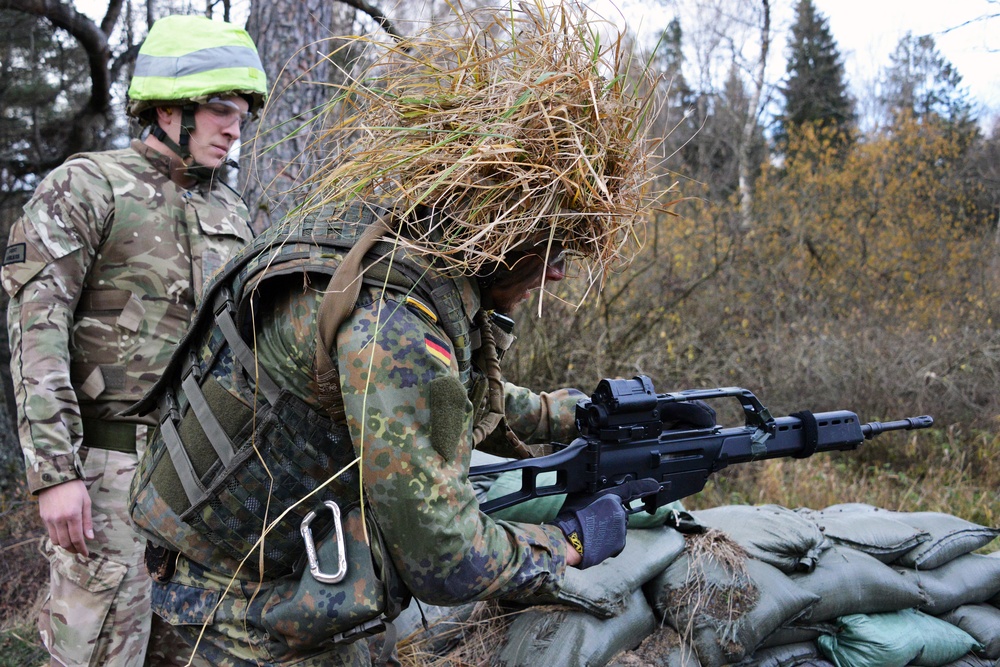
(626, 433)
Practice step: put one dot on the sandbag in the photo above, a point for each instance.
(894, 640)
(848, 581)
(968, 579)
(868, 529)
(797, 634)
(972, 661)
(560, 637)
(950, 537)
(770, 533)
(789, 655)
(663, 648)
(725, 614)
(982, 621)
(605, 589)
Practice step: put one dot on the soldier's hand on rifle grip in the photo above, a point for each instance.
(595, 528)
(687, 415)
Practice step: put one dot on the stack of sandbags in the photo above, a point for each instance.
(906, 577)
(848, 586)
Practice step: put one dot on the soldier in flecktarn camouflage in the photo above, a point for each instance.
(310, 470)
(105, 270)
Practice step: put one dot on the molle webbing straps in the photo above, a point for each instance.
(341, 295)
(207, 419)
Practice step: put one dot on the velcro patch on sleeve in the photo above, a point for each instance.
(438, 349)
(15, 254)
(448, 408)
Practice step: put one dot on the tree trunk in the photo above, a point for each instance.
(750, 124)
(298, 47)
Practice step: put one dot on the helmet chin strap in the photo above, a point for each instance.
(182, 148)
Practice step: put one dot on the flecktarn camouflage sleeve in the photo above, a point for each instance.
(49, 250)
(410, 421)
(542, 418)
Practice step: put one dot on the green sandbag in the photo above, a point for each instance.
(559, 637)
(972, 661)
(895, 640)
(982, 621)
(604, 590)
(950, 537)
(869, 529)
(544, 509)
(663, 648)
(797, 634)
(789, 655)
(730, 614)
(848, 581)
(968, 579)
(771, 533)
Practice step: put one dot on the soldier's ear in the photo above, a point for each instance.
(165, 116)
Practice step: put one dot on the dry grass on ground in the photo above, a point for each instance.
(23, 575)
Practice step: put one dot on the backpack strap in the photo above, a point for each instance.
(337, 305)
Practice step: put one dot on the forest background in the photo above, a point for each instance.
(820, 260)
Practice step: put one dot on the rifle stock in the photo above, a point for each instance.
(623, 437)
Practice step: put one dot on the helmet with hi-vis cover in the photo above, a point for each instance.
(191, 59)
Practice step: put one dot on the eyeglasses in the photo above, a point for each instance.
(226, 112)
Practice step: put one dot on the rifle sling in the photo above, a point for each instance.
(810, 434)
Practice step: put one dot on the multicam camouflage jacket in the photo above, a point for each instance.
(104, 271)
(410, 419)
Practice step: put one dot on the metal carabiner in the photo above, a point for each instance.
(314, 570)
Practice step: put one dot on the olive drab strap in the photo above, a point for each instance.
(494, 417)
(341, 295)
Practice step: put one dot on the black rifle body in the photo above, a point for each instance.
(623, 438)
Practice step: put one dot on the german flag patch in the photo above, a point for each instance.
(438, 349)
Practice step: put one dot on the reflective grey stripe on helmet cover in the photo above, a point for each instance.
(203, 60)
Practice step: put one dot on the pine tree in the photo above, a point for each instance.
(815, 90)
(921, 82)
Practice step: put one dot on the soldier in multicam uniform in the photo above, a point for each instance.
(310, 471)
(104, 272)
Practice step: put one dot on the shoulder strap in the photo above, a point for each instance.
(337, 304)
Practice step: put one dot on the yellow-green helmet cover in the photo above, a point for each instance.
(193, 58)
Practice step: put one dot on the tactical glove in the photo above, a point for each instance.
(596, 527)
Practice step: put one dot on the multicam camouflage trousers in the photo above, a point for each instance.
(98, 609)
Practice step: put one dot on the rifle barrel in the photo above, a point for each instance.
(871, 429)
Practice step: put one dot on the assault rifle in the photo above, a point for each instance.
(627, 433)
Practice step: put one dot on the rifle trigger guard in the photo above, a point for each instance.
(317, 574)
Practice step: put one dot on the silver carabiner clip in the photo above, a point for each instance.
(314, 570)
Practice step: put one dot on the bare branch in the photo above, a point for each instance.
(376, 14)
(93, 40)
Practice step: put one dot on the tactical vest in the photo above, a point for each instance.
(145, 280)
(227, 469)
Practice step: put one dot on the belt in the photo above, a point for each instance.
(114, 436)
